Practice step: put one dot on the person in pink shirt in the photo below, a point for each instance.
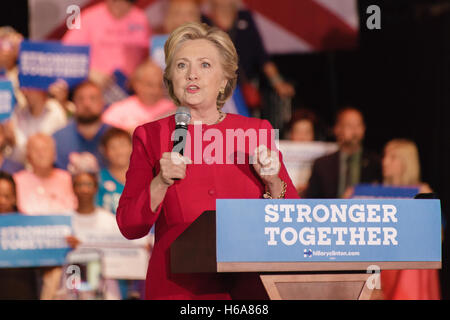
(148, 103)
(118, 33)
(43, 189)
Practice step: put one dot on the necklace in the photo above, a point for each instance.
(221, 116)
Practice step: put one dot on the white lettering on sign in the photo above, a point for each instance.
(375, 214)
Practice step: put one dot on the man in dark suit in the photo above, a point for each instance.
(333, 175)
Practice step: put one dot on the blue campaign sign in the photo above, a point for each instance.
(30, 241)
(331, 230)
(42, 63)
(366, 191)
(7, 99)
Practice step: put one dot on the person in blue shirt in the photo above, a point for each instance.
(84, 132)
(116, 145)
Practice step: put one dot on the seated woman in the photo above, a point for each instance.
(15, 283)
(401, 167)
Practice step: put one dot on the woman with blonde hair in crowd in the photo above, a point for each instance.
(401, 167)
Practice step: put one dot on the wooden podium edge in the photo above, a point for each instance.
(323, 266)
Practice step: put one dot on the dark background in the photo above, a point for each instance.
(399, 76)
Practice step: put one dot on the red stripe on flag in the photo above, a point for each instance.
(310, 21)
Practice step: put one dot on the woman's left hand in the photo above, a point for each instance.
(267, 165)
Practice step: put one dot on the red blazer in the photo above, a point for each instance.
(186, 199)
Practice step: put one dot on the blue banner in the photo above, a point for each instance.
(42, 63)
(7, 99)
(367, 191)
(31, 241)
(306, 230)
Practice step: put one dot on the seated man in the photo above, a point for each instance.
(148, 103)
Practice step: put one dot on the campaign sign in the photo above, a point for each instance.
(367, 191)
(331, 230)
(30, 241)
(42, 63)
(7, 99)
(118, 89)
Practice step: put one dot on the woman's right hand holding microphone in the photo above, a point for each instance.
(172, 167)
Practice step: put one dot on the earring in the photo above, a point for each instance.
(222, 91)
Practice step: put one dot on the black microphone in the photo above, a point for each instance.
(182, 119)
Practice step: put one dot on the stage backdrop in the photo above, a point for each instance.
(287, 26)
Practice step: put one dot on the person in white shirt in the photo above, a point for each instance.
(94, 227)
(40, 115)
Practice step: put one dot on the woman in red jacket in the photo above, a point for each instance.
(226, 156)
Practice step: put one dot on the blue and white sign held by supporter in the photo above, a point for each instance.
(370, 191)
(235, 105)
(117, 90)
(32, 241)
(324, 230)
(42, 63)
(7, 99)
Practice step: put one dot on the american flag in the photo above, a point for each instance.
(286, 26)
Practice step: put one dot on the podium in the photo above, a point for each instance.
(236, 240)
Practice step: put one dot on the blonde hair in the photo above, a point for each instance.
(408, 152)
(221, 40)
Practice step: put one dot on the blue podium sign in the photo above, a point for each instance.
(328, 230)
(30, 241)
